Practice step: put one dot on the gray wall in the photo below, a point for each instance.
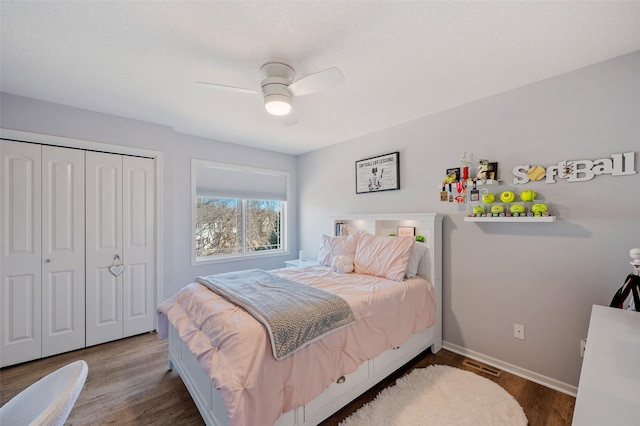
(30, 115)
(544, 276)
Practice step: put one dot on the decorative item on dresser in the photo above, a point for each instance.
(345, 362)
(631, 285)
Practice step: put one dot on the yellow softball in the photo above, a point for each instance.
(517, 208)
(507, 196)
(536, 173)
(539, 208)
(489, 198)
(528, 195)
(478, 210)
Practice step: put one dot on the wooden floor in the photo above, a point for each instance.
(129, 384)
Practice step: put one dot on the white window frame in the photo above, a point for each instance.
(284, 222)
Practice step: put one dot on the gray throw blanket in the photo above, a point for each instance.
(294, 314)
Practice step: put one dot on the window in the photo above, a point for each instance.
(238, 211)
(228, 226)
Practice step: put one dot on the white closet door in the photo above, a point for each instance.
(20, 258)
(103, 244)
(63, 276)
(138, 245)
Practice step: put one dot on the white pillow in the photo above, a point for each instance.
(418, 251)
(331, 247)
(385, 257)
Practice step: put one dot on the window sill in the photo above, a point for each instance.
(238, 258)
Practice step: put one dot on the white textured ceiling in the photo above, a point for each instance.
(402, 60)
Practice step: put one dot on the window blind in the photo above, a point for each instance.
(239, 182)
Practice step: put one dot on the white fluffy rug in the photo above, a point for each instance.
(440, 395)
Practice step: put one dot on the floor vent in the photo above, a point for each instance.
(482, 367)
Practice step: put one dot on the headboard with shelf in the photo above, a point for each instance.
(427, 224)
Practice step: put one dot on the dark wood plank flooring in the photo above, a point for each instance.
(129, 384)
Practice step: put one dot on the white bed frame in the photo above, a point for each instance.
(209, 400)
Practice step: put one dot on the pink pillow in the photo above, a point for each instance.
(337, 246)
(385, 257)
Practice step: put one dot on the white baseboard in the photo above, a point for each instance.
(513, 369)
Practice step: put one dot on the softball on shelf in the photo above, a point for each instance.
(507, 196)
(497, 209)
(539, 208)
(488, 198)
(528, 195)
(478, 210)
(517, 208)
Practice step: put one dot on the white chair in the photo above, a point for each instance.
(49, 400)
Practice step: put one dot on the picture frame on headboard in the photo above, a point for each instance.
(377, 174)
(406, 231)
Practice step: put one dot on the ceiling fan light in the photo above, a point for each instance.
(277, 104)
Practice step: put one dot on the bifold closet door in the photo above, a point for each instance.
(120, 217)
(63, 275)
(138, 229)
(42, 261)
(103, 247)
(21, 257)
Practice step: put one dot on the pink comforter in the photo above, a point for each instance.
(234, 349)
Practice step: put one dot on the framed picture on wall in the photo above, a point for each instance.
(453, 175)
(487, 170)
(377, 174)
(492, 171)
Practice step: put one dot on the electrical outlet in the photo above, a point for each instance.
(583, 345)
(518, 331)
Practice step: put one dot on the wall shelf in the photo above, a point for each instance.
(488, 182)
(511, 219)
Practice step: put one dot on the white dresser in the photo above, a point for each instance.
(609, 388)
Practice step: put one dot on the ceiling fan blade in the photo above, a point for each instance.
(316, 82)
(227, 88)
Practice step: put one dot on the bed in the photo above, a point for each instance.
(234, 377)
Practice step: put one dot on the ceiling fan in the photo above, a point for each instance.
(279, 87)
